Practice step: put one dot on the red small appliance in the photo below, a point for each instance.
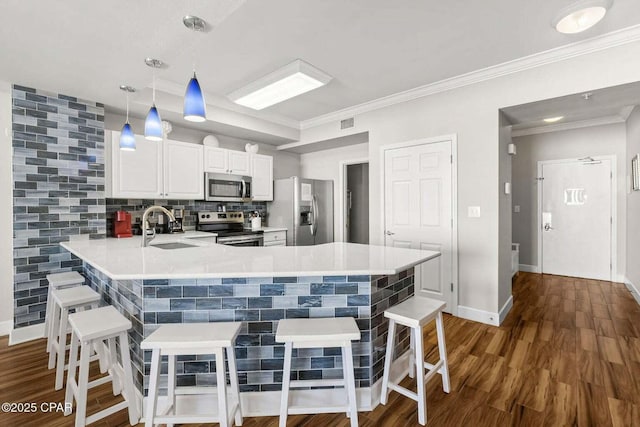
(122, 224)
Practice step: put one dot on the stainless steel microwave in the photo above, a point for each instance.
(221, 187)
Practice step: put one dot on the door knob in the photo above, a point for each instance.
(389, 233)
(548, 227)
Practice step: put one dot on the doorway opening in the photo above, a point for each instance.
(356, 202)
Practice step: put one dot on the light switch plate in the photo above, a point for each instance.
(474, 212)
(516, 208)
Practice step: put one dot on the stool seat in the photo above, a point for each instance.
(192, 335)
(320, 329)
(99, 322)
(416, 311)
(75, 296)
(65, 278)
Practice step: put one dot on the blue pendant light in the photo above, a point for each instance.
(194, 105)
(153, 122)
(127, 137)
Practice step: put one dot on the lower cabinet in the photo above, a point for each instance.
(275, 238)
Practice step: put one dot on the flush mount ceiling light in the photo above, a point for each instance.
(581, 16)
(194, 104)
(553, 119)
(153, 122)
(287, 82)
(127, 138)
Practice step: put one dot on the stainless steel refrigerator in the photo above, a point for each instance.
(305, 208)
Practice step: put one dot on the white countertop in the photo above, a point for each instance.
(123, 259)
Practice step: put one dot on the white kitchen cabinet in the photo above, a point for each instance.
(221, 160)
(275, 238)
(262, 177)
(155, 170)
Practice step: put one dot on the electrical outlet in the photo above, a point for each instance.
(473, 212)
(516, 208)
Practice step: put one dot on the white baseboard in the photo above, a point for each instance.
(267, 403)
(481, 316)
(506, 308)
(6, 327)
(28, 333)
(632, 288)
(529, 268)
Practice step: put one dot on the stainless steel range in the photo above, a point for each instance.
(230, 228)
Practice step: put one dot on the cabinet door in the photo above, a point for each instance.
(216, 160)
(183, 171)
(136, 174)
(239, 163)
(262, 177)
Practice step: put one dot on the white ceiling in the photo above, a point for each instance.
(372, 48)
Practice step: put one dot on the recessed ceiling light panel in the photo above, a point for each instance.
(581, 16)
(285, 83)
(553, 119)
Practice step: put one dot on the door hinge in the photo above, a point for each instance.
(451, 158)
(452, 287)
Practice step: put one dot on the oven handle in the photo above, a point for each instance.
(244, 189)
(238, 239)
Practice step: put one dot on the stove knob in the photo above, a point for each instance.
(208, 216)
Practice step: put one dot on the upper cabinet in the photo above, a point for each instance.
(155, 170)
(220, 160)
(262, 177)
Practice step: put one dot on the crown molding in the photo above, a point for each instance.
(557, 127)
(594, 44)
(219, 102)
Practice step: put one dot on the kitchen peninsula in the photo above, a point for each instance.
(206, 282)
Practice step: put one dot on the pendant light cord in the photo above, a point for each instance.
(127, 95)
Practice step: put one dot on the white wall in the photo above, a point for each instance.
(568, 144)
(633, 202)
(6, 212)
(326, 165)
(471, 112)
(505, 202)
(284, 164)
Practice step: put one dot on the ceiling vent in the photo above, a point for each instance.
(346, 123)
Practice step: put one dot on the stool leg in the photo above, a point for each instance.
(130, 395)
(222, 388)
(422, 401)
(387, 361)
(116, 381)
(83, 380)
(152, 397)
(442, 349)
(350, 382)
(47, 319)
(286, 379)
(233, 379)
(55, 326)
(71, 374)
(62, 346)
(412, 356)
(171, 384)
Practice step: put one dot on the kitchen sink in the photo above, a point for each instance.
(173, 245)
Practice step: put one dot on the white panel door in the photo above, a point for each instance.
(136, 174)
(183, 173)
(576, 219)
(239, 163)
(261, 177)
(216, 160)
(419, 209)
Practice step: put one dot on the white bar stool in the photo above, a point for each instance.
(414, 313)
(68, 279)
(64, 300)
(193, 339)
(89, 329)
(319, 333)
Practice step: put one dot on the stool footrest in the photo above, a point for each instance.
(106, 412)
(432, 369)
(301, 410)
(192, 418)
(403, 391)
(316, 383)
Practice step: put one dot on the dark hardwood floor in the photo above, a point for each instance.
(567, 354)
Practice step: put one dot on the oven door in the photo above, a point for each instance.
(242, 240)
(221, 187)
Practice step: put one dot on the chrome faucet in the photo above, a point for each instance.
(148, 233)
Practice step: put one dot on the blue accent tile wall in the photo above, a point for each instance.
(58, 189)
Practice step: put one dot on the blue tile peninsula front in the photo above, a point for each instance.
(259, 303)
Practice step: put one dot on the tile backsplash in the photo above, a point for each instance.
(191, 208)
